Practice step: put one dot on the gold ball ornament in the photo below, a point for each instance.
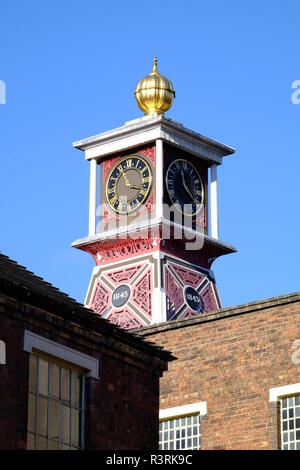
(154, 93)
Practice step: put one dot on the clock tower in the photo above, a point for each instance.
(153, 221)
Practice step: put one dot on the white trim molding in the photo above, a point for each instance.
(284, 390)
(93, 197)
(2, 352)
(184, 410)
(214, 202)
(89, 363)
(142, 131)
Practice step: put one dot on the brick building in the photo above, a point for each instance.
(237, 374)
(68, 378)
(74, 378)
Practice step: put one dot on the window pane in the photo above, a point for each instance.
(76, 383)
(65, 378)
(65, 424)
(75, 427)
(31, 413)
(52, 445)
(43, 377)
(42, 416)
(32, 374)
(30, 441)
(53, 432)
(54, 380)
(41, 443)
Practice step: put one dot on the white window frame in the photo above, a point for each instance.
(285, 391)
(191, 409)
(45, 345)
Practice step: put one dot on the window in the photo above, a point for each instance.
(55, 405)
(56, 393)
(180, 433)
(290, 422)
(288, 397)
(180, 427)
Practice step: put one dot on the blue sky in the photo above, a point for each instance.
(70, 70)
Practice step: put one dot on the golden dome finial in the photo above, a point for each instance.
(154, 93)
(154, 64)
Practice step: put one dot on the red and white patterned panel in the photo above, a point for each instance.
(124, 274)
(100, 299)
(125, 319)
(109, 251)
(138, 280)
(177, 278)
(174, 294)
(187, 276)
(142, 293)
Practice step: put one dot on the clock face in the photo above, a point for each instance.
(128, 184)
(185, 187)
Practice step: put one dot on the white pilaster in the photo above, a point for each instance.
(159, 178)
(214, 202)
(159, 294)
(93, 197)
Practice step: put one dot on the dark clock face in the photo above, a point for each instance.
(185, 187)
(128, 184)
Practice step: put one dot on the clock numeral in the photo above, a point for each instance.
(113, 200)
(129, 163)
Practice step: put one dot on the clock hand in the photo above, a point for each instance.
(132, 186)
(125, 178)
(128, 184)
(186, 187)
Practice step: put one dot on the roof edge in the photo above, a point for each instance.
(222, 313)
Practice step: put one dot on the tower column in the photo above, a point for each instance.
(214, 202)
(93, 197)
(159, 178)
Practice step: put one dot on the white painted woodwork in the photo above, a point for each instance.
(93, 197)
(214, 222)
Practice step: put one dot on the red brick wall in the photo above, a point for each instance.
(121, 407)
(13, 389)
(231, 359)
(123, 411)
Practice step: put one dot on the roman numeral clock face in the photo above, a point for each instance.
(185, 187)
(128, 184)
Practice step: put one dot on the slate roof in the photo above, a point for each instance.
(18, 282)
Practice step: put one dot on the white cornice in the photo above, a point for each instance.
(148, 129)
(146, 225)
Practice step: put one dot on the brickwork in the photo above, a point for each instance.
(230, 359)
(121, 406)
